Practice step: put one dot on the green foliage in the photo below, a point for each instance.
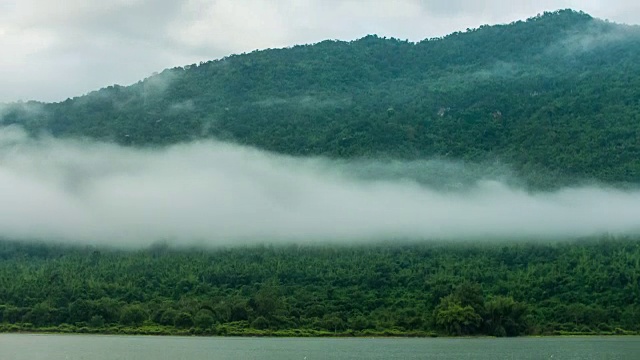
(133, 315)
(168, 317)
(203, 319)
(457, 319)
(184, 320)
(260, 323)
(96, 321)
(555, 96)
(506, 317)
(500, 289)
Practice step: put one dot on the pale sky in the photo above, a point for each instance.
(53, 50)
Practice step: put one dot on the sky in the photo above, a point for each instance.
(51, 51)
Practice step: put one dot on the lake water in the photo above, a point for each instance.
(90, 347)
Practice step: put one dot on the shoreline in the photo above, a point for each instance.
(296, 333)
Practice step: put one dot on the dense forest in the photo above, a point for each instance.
(555, 97)
(502, 289)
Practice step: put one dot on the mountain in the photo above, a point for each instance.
(556, 97)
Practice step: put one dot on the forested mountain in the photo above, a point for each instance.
(555, 96)
(510, 289)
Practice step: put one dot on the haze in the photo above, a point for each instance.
(220, 194)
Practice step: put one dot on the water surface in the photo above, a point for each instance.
(92, 347)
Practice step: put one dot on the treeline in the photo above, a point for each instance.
(555, 96)
(501, 289)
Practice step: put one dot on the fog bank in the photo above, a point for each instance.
(219, 194)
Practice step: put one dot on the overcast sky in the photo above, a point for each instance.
(52, 50)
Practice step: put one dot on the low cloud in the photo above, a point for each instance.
(182, 107)
(598, 36)
(306, 102)
(219, 194)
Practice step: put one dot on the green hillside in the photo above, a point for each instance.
(500, 289)
(556, 97)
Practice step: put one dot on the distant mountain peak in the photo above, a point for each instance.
(563, 13)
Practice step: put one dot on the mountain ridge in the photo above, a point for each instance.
(554, 95)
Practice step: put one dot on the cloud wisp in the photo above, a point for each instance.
(219, 194)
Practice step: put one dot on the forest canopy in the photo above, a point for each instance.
(501, 289)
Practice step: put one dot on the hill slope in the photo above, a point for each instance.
(554, 95)
(501, 289)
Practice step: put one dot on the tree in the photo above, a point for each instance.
(168, 317)
(267, 301)
(359, 323)
(133, 315)
(456, 319)
(203, 319)
(333, 323)
(96, 321)
(39, 315)
(260, 323)
(184, 320)
(505, 317)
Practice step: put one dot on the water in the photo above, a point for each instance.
(90, 347)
